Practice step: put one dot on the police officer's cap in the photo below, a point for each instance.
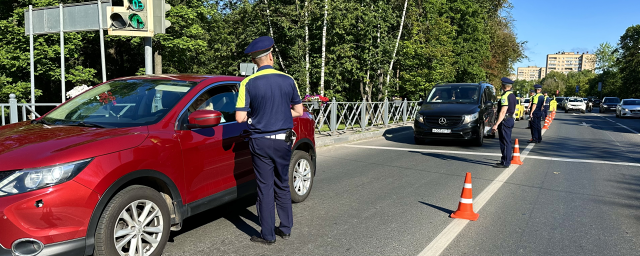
(532, 91)
(261, 46)
(537, 86)
(506, 80)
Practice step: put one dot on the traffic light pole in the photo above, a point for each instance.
(148, 56)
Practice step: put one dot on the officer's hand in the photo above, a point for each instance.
(494, 129)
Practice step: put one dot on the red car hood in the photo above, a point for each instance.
(26, 145)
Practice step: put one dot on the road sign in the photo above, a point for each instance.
(247, 69)
(138, 18)
(76, 17)
(577, 88)
(599, 86)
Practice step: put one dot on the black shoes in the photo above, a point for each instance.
(498, 165)
(281, 233)
(259, 240)
(532, 141)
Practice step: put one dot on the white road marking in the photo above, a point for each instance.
(585, 124)
(621, 125)
(583, 161)
(447, 235)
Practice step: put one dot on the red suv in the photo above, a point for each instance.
(115, 169)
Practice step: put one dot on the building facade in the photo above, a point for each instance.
(530, 73)
(566, 62)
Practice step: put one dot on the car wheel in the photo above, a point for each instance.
(603, 110)
(583, 111)
(566, 111)
(618, 116)
(301, 173)
(135, 222)
(480, 138)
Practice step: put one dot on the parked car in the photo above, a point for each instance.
(525, 104)
(574, 104)
(457, 111)
(115, 169)
(596, 101)
(628, 108)
(519, 113)
(560, 101)
(609, 103)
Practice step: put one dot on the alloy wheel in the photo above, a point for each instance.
(138, 229)
(302, 177)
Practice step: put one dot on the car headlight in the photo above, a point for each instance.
(624, 109)
(17, 182)
(470, 118)
(420, 118)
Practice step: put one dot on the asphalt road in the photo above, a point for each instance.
(578, 193)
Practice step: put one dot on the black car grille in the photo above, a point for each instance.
(451, 121)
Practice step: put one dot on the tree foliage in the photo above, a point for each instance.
(441, 41)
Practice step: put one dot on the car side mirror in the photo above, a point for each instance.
(204, 119)
(420, 103)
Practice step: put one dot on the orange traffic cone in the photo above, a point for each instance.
(465, 207)
(546, 125)
(515, 159)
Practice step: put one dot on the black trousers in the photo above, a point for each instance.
(271, 159)
(504, 130)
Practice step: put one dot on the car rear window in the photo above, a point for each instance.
(575, 100)
(526, 100)
(611, 100)
(631, 102)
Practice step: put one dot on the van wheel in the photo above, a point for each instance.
(135, 222)
(301, 174)
(480, 139)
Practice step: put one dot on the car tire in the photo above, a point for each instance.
(617, 116)
(603, 110)
(132, 201)
(480, 138)
(583, 111)
(566, 111)
(301, 173)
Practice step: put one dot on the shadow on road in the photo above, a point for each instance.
(454, 158)
(445, 210)
(235, 212)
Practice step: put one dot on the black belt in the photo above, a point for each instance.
(508, 116)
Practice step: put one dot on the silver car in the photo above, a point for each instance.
(628, 108)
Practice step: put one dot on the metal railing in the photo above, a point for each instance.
(27, 110)
(338, 117)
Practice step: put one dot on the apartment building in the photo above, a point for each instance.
(566, 62)
(531, 73)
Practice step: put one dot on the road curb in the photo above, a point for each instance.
(346, 138)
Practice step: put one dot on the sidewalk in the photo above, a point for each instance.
(339, 137)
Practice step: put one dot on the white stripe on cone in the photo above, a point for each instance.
(516, 154)
(467, 185)
(466, 201)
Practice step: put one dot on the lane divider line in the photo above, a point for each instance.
(621, 125)
(440, 243)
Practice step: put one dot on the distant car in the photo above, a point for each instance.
(525, 103)
(585, 100)
(596, 101)
(575, 104)
(519, 114)
(560, 101)
(628, 108)
(609, 103)
(463, 111)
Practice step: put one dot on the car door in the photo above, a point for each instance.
(218, 158)
(489, 114)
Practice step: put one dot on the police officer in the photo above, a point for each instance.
(531, 94)
(536, 115)
(545, 110)
(268, 100)
(505, 122)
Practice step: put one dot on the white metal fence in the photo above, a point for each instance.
(338, 117)
(14, 112)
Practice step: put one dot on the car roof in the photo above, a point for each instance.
(449, 84)
(183, 77)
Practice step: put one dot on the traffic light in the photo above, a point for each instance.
(138, 18)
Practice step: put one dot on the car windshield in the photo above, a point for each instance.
(469, 94)
(121, 103)
(575, 100)
(611, 100)
(526, 100)
(559, 99)
(631, 102)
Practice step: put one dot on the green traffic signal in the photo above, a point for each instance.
(136, 21)
(136, 5)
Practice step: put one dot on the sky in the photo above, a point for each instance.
(570, 25)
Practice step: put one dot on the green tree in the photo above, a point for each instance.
(629, 63)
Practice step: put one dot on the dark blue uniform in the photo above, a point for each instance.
(267, 96)
(536, 118)
(506, 126)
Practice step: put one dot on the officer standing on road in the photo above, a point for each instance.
(505, 122)
(268, 100)
(536, 115)
(545, 110)
(531, 94)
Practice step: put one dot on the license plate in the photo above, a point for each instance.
(441, 130)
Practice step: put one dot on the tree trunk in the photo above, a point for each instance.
(306, 40)
(324, 44)
(393, 58)
(157, 61)
(271, 32)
